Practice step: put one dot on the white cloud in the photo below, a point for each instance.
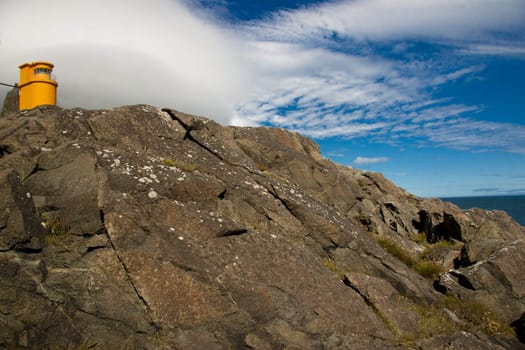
(386, 19)
(481, 135)
(455, 75)
(368, 160)
(494, 50)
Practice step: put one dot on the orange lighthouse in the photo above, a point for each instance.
(36, 86)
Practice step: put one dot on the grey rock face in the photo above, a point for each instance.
(137, 227)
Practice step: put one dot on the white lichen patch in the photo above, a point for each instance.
(145, 180)
(116, 163)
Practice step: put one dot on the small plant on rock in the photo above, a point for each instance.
(428, 269)
(330, 264)
(181, 165)
(262, 166)
(168, 162)
(54, 227)
(477, 315)
(470, 316)
(425, 268)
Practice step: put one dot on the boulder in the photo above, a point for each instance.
(488, 232)
(496, 281)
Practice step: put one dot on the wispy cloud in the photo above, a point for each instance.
(494, 50)
(370, 160)
(480, 135)
(385, 19)
(350, 96)
(335, 154)
(312, 86)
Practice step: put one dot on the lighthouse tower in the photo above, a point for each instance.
(36, 86)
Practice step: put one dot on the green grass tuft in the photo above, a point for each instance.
(55, 228)
(427, 269)
(168, 162)
(330, 264)
(475, 317)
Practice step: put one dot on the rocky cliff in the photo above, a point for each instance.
(137, 227)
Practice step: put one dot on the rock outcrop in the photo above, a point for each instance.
(10, 103)
(137, 227)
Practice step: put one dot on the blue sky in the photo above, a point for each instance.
(429, 93)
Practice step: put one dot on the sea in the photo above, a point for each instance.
(513, 205)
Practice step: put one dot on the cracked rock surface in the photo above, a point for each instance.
(142, 228)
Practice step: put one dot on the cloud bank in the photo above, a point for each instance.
(109, 53)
